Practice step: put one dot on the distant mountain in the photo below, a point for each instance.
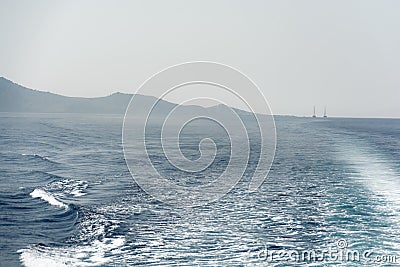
(17, 98)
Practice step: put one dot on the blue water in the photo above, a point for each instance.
(67, 198)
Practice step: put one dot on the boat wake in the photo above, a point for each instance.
(95, 243)
(95, 254)
(379, 177)
(377, 174)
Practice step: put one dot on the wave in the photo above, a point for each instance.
(93, 245)
(72, 187)
(88, 255)
(38, 156)
(40, 193)
(35, 156)
(47, 175)
(60, 188)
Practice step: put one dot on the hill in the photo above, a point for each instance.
(17, 98)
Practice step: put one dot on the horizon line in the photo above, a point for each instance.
(132, 94)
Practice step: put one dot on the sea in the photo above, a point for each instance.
(67, 198)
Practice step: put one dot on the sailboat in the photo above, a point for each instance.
(314, 116)
(325, 113)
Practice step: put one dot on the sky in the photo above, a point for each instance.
(341, 54)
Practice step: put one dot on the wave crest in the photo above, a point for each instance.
(49, 198)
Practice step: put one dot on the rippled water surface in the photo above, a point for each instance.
(67, 198)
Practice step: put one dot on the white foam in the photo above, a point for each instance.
(93, 248)
(89, 255)
(378, 176)
(40, 193)
(77, 193)
(75, 188)
(381, 180)
(31, 257)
